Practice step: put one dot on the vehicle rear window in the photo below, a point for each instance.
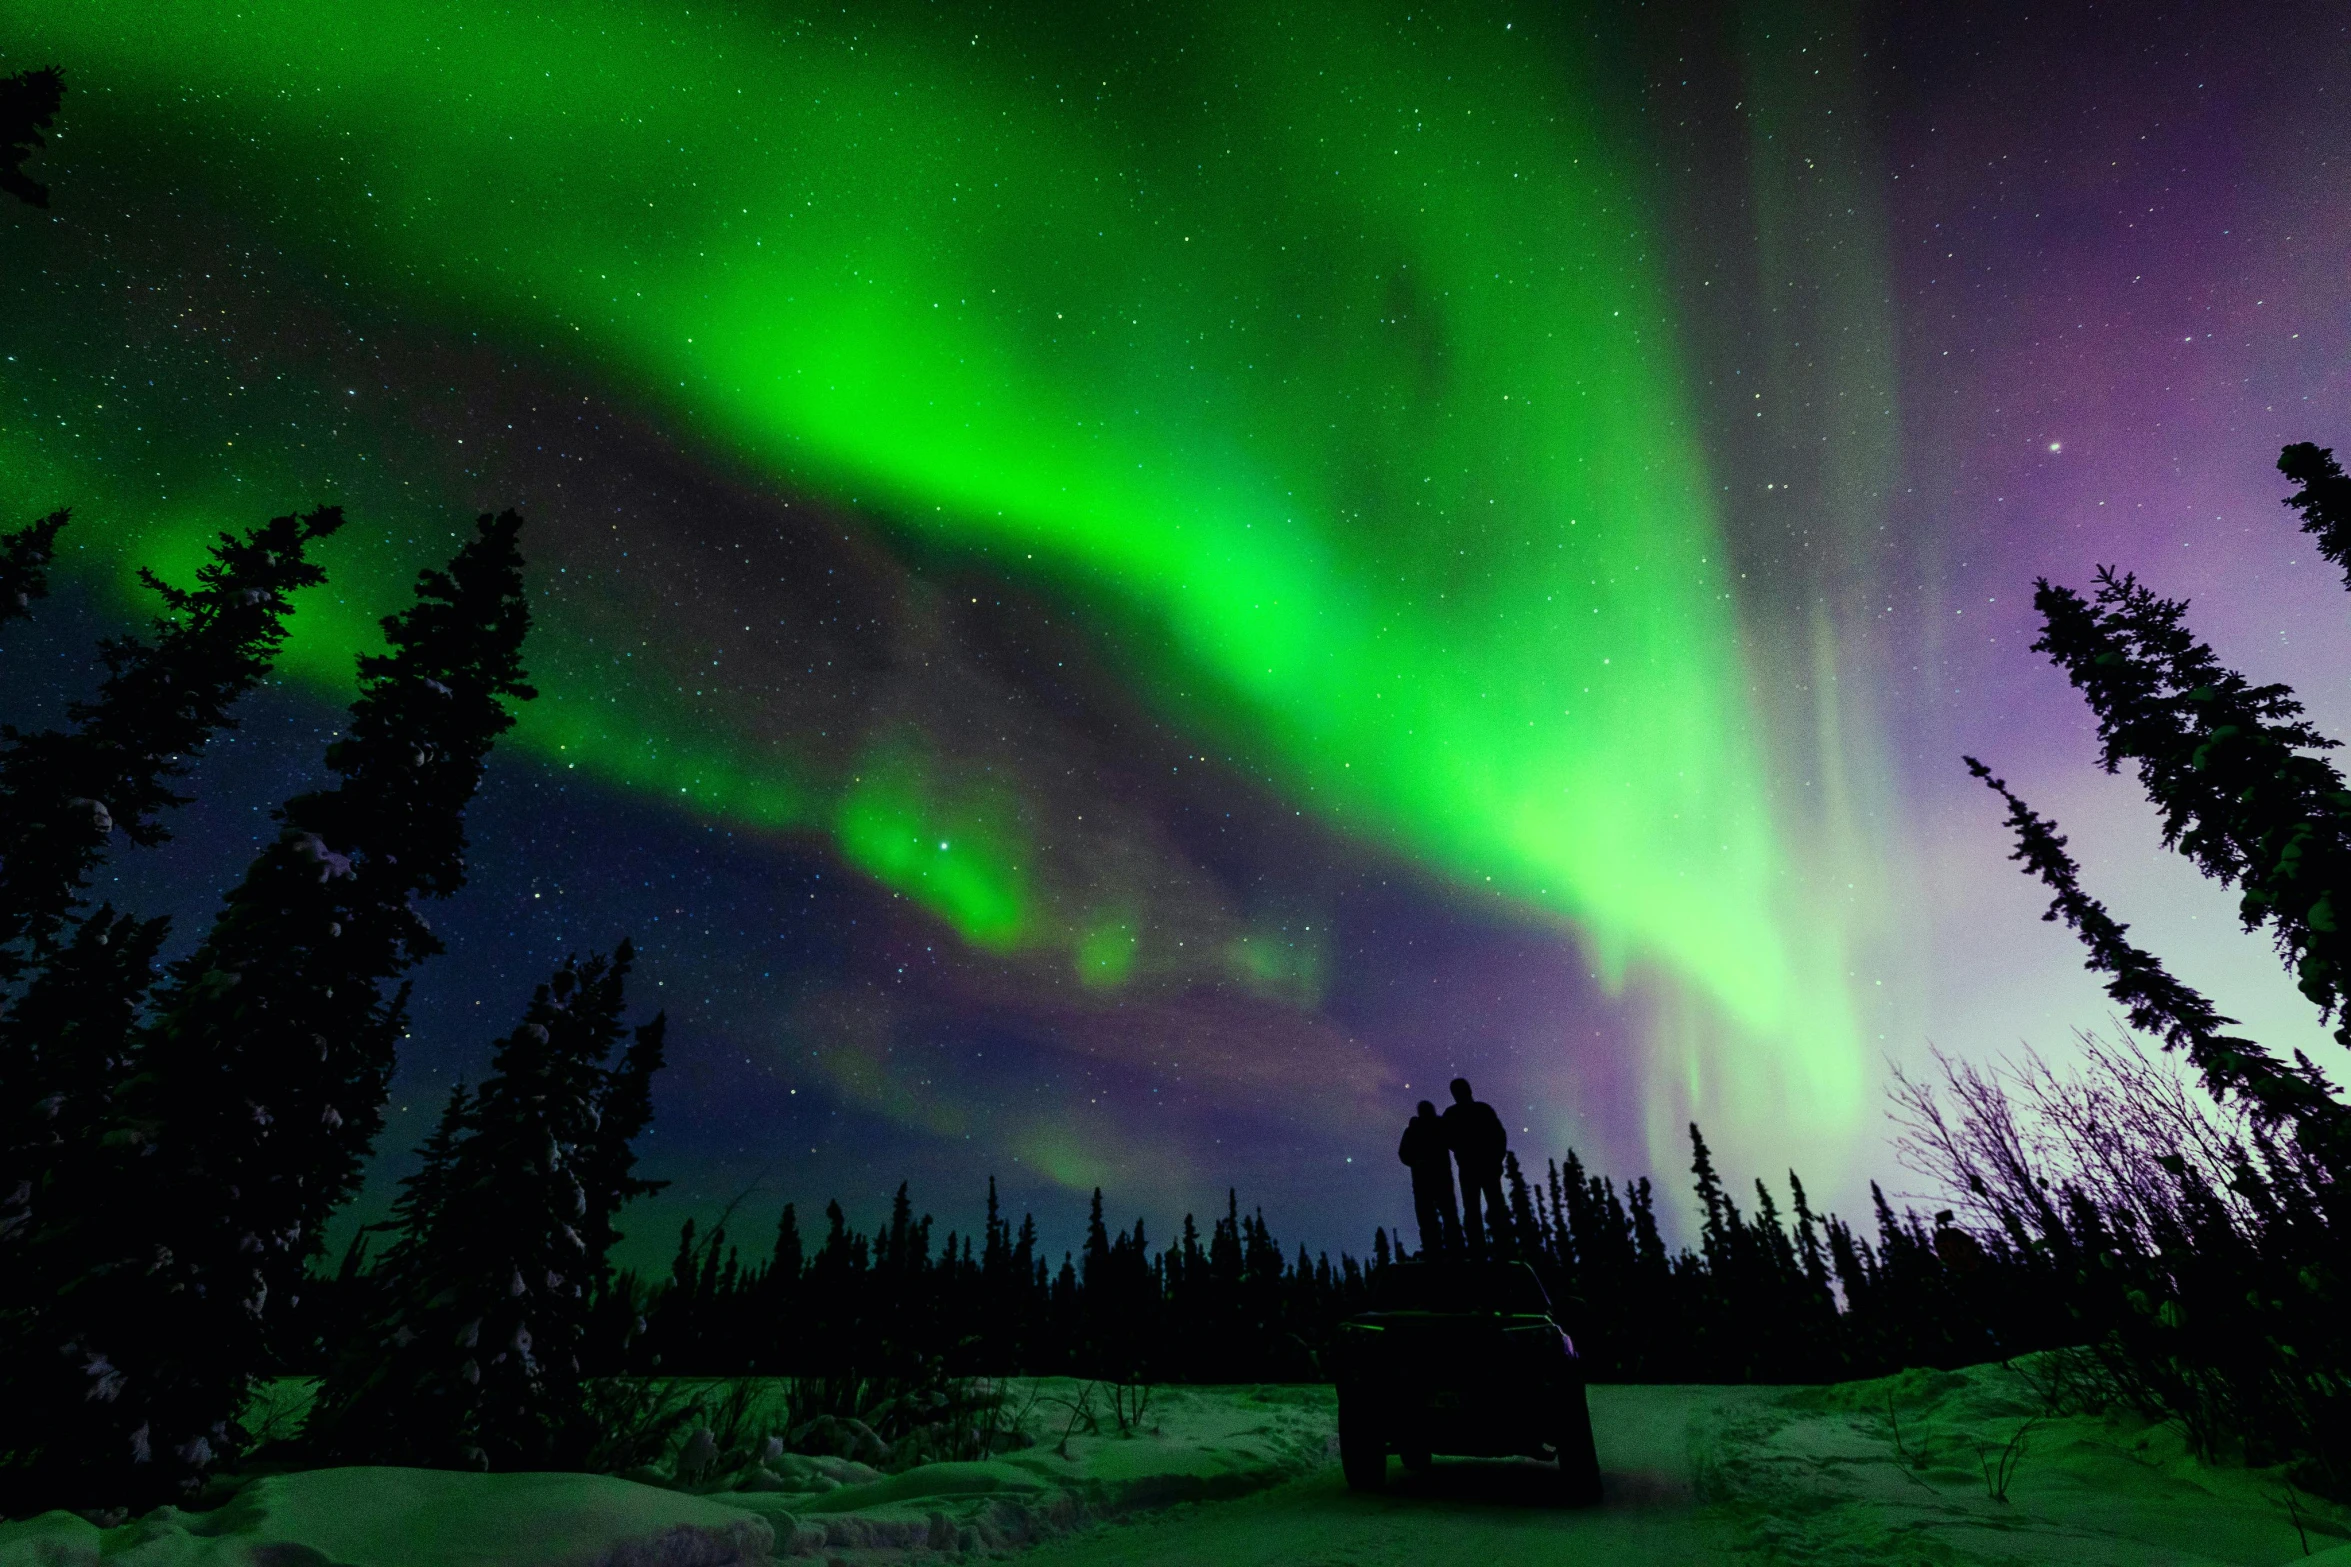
(1508, 1287)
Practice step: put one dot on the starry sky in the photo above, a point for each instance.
(1122, 591)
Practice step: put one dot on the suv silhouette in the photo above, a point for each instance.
(1461, 1357)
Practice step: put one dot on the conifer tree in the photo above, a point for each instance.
(2324, 499)
(66, 1044)
(2222, 1313)
(2231, 767)
(1528, 1235)
(1717, 1233)
(1809, 1251)
(24, 563)
(1096, 1266)
(29, 102)
(2296, 1095)
(72, 991)
(424, 1194)
(625, 1110)
(473, 1357)
(258, 1084)
(784, 1262)
(64, 791)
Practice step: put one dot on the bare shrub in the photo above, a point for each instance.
(2196, 1249)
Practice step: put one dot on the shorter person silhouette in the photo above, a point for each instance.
(1475, 1134)
(1429, 1156)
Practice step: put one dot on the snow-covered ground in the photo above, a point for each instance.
(1811, 1476)
(1901, 1470)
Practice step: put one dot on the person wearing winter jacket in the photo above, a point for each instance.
(1476, 1136)
(1430, 1158)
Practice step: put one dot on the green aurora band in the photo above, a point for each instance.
(1323, 356)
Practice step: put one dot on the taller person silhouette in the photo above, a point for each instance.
(1475, 1134)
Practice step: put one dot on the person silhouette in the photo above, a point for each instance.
(1474, 1132)
(1426, 1153)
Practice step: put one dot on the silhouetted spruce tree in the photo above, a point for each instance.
(71, 990)
(258, 1084)
(1099, 1332)
(1818, 1302)
(1714, 1203)
(1651, 1320)
(996, 1307)
(2233, 769)
(786, 1260)
(1526, 1234)
(2209, 1296)
(24, 563)
(65, 1045)
(424, 1193)
(626, 1109)
(773, 1317)
(2324, 500)
(29, 102)
(2220, 1311)
(357, 1293)
(1714, 1271)
(473, 1357)
(64, 791)
(2159, 1005)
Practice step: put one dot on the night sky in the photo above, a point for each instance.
(1123, 590)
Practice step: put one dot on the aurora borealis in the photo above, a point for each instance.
(1119, 586)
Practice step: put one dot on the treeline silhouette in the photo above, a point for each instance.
(1762, 1297)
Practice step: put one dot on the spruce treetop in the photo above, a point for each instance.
(2324, 499)
(2230, 766)
(64, 791)
(2160, 1005)
(29, 102)
(24, 563)
(474, 1357)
